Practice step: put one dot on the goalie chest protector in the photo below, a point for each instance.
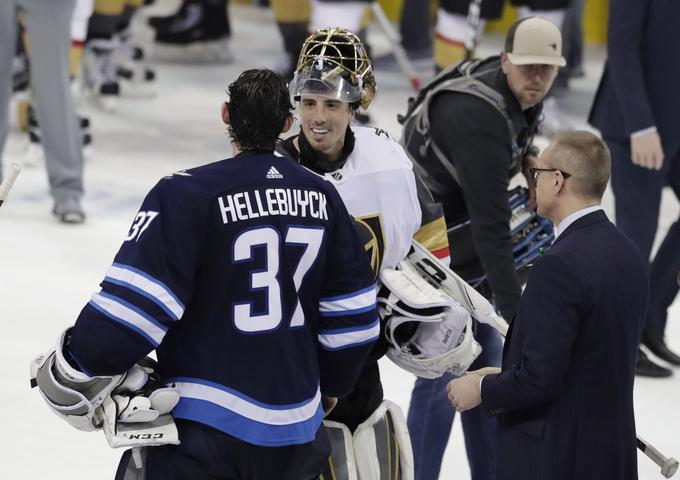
(378, 187)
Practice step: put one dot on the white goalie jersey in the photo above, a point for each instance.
(378, 187)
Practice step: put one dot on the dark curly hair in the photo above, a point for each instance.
(259, 104)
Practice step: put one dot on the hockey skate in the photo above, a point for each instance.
(162, 22)
(201, 35)
(99, 74)
(134, 76)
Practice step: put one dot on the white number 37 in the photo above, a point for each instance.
(141, 223)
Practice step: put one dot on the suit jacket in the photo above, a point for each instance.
(564, 398)
(640, 84)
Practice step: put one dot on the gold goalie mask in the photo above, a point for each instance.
(333, 64)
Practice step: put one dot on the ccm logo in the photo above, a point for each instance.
(145, 436)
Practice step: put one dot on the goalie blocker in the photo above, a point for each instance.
(429, 331)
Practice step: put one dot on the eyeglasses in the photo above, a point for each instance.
(535, 172)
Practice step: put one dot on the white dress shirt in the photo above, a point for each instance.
(564, 224)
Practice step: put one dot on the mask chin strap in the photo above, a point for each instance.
(318, 162)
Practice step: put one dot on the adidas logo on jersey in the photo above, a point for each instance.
(273, 173)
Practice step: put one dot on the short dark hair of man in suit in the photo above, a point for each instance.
(564, 397)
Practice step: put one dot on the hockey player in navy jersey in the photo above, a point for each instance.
(375, 179)
(248, 279)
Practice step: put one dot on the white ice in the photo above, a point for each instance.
(49, 270)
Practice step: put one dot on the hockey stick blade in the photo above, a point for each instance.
(6, 185)
(444, 278)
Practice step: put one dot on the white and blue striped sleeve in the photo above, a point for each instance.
(348, 316)
(349, 320)
(145, 290)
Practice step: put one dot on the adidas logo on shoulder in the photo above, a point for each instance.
(273, 173)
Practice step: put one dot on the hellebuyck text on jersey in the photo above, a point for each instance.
(273, 201)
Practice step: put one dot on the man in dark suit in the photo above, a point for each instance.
(637, 109)
(564, 397)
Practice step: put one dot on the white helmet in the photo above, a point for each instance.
(428, 331)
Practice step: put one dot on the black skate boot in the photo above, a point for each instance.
(201, 35)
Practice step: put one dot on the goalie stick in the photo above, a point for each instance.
(445, 279)
(397, 49)
(440, 276)
(6, 185)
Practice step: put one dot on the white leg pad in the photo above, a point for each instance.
(379, 448)
(341, 464)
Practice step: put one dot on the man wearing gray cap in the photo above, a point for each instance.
(469, 132)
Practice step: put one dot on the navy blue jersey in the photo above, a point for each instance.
(247, 277)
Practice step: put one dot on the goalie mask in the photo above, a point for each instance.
(334, 64)
(429, 332)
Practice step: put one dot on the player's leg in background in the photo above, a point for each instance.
(637, 201)
(453, 29)
(663, 288)
(135, 76)
(199, 33)
(415, 27)
(99, 69)
(34, 152)
(347, 14)
(48, 25)
(430, 419)
(479, 428)
(292, 18)
(572, 33)
(8, 34)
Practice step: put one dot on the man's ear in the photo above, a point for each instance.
(225, 113)
(559, 184)
(290, 120)
(504, 62)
